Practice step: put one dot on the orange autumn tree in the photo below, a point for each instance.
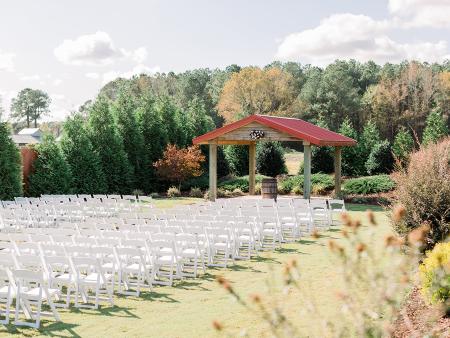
(178, 165)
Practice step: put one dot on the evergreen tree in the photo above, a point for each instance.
(124, 111)
(237, 158)
(270, 159)
(352, 165)
(84, 162)
(168, 112)
(109, 145)
(199, 121)
(51, 172)
(322, 157)
(435, 129)
(369, 138)
(154, 133)
(403, 145)
(380, 160)
(10, 165)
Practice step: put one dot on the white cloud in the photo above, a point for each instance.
(420, 13)
(57, 82)
(96, 49)
(349, 36)
(92, 75)
(7, 61)
(137, 70)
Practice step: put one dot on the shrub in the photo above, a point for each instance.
(138, 192)
(270, 159)
(369, 185)
(10, 166)
(51, 172)
(380, 160)
(423, 189)
(322, 160)
(173, 192)
(297, 190)
(238, 192)
(352, 163)
(154, 195)
(324, 180)
(258, 188)
(235, 183)
(434, 274)
(201, 182)
(196, 192)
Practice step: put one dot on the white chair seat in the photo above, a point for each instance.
(34, 293)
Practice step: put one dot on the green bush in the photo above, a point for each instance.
(173, 192)
(51, 172)
(294, 184)
(403, 145)
(10, 166)
(369, 185)
(196, 192)
(435, 274)
(322, 160)
(324, 180)
(380, 160)
(270, 159)
(201, 182)
(436, 127)
(238, 183)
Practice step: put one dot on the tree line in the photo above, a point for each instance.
(111, 143)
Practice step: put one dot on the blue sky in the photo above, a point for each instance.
(71, 48)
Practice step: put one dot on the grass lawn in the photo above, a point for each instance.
(188, 308)
(293, 161)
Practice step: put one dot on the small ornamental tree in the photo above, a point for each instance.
(51, 172)
(10, 165)
(403, 145)
(178, 165)
(435, 129)
(270, 159)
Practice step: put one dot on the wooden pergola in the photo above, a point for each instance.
(271, 128)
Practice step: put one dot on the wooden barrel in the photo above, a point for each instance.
(269, 188)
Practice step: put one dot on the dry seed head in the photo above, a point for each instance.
(341, 295)
(217, 326)
(346, 219)
(398, 213)
(393, 241)
(371, 217)
(256, 298)
(293, 263)
(315, 234)
(334, 247)
(419, 235)
(344, 233)
(361, 247)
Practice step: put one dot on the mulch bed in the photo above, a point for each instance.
(419, 319)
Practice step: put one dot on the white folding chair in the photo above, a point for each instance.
(31, 293)
(134, 270)
(7, 293)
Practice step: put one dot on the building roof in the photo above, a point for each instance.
(297, 128)
(30, 131)
(25, 139)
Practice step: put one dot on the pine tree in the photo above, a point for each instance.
(435, 129)
(369, 138)
(51, 172)
(84, 162)
(270, 159)
(10, 165)
(124, 110)
(109, 145)
(352, 165)
(403, 145)
(380, 160)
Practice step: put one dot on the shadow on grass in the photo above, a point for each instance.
(110, 311)
(157, 296)
(48, 328)
(238, 267)
(363, 207)
(190, 285)
(261, 259)
(289, 250)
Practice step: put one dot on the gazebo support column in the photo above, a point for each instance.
(251, 167)
(212, 171)
(337, 171)
(307, 169)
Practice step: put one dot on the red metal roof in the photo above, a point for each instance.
(295, 127)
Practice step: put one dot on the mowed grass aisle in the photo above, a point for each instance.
(188, 308)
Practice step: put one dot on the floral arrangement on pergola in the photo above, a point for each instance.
(256, 128)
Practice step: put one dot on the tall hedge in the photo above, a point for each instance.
(109, 145)
(51, 173)
(270, 159)
(124, 111)
(10, 165)
(84, 162)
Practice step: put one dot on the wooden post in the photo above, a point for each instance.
(212, 171)
(337, 171)
(251, 167)
(307, 170)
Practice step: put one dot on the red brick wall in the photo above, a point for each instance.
(28, 157)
